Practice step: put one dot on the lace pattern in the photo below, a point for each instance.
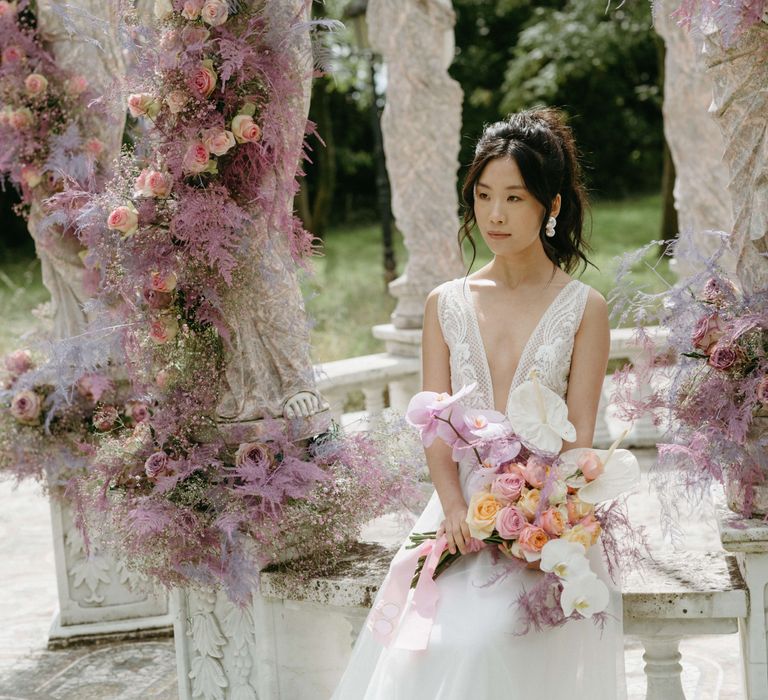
(548, 350)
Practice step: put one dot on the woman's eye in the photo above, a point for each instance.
(482, 195)
(513, 198)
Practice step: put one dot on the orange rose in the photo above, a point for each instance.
(481, 514)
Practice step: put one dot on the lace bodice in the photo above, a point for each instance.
(548, 350)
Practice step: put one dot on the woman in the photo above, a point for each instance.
(521, 311)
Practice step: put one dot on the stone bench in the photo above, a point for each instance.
(314, 625)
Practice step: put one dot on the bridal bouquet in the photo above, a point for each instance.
(529, 503)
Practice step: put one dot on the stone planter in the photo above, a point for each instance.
(735, 490)
(98, 596)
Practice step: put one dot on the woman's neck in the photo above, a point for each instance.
(530, 267)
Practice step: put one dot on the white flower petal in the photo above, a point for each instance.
(567, 560)
(586, 595)
(622, 474)
(540, 417)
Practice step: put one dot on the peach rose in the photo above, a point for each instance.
(510, 522)
(176, 100)
(529, 503)
(35, 84)
(532, 539)
(591, 466)
(579, 534)
(163, 9)
(194, 34)
(31, 175)
(94, 147)
(137, 411)
(245, 129)
(577, 509)
(481, 514)
(124, 219)
(592, 527)
(553, 522)
(707, 332)
(26, 407)
(215, 12)
(142, 104)
(158, 184)
(191, 9)
(18, 362)
(21, 119)
(77, 85)
(196, 158)
(218, 141)
(13, 54)
(157, 300)
(507, 487)
(163, 282)
(163, 329)
(202, 81)
(535, 471)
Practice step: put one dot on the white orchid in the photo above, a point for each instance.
(621, 473)
(540, 416)
(567, 560)
(586, 595)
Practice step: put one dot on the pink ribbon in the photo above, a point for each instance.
(390, 613)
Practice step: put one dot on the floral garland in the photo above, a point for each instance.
(731, 18)
(216, 86)
(715, 395)
(45, 116)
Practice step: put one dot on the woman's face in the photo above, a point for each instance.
(508, 216)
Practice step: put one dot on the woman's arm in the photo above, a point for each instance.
(591, 347)
(436, 374)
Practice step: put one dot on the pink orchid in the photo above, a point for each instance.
(426, 409)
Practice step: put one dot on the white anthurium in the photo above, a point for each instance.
(567, 560)
(540, 416)
(586, 595)
(621, 473)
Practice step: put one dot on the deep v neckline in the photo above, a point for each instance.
(525, 350)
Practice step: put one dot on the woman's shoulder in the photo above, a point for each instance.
(595, 307)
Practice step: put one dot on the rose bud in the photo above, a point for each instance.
(26, 407)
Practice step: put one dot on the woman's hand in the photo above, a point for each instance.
(455, 529)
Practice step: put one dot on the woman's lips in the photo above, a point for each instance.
(498, 234)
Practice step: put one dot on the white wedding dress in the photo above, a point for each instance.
(473, 652)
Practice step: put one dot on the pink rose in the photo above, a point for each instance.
(140, 184)
(105, 418)
(35, 84)
(26, 407)
(510, 522)
(532, 539)
(215, 12)
(31, 175)
(156, 465)
(21, 119)
(723, 356)
(18, 362)
(176, 99)
(124, 219)
(191, 9)
(163, 329)
(202, 81)
(590, 464)
(137, 411)
(93, 386)
(77, 85)
(143, 104)
(218, 141)
(507, 487)
(196, 158)
(715, 290)
(159, 184)
(245, 129)
(194, 34)
(94, 147)
(163, 379)
(257, 453)
(7, 8)
(553, 522)
(13, 54)
(707, 332)
(163, 282)
(762, 391)
(535, 471)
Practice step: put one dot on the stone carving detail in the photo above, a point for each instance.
(701, 186)
(421, 126)
(740, 103)
(86, 569)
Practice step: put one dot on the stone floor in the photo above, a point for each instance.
(141, 670)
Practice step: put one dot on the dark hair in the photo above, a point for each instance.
(542, 145)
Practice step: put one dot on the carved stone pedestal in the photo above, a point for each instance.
(98, 596)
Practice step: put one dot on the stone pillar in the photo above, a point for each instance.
(701, 186)
(739, 75)
(421, 127)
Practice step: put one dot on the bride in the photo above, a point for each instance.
(521, 311)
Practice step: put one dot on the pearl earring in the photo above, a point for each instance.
(550, 229)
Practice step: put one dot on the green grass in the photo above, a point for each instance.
(347, 294)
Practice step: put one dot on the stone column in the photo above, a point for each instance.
(739, 75)
(421, 127)
(701, 193)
